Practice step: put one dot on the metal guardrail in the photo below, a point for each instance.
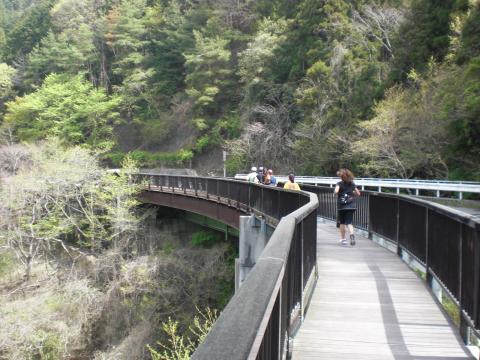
(261, 317)
(436, 186)
(446, 242)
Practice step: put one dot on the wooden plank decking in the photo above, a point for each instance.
(368, 304)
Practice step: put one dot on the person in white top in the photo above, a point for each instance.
(252, 177)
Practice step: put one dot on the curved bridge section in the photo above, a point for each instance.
(268, 308)
(443, 245)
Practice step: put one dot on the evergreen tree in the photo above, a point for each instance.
(27, 32)
(424, 35)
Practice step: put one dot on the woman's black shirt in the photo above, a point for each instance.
(346, 199)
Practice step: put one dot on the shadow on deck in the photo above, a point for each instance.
(368, 304)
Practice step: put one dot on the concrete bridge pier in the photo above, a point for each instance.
(254, 235)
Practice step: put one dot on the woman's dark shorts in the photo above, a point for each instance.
(345, 217)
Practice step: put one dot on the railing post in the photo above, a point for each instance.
(280, 345)
(249, 195)
(369, 218)
(262, 204)
(195, 185)
(428, 276)
(476, 287)
(237, 195)
(229, 196)
(464, 328)
(397, 230)
(460, 264)
(278, 204)
(218, 190)
(302, 264)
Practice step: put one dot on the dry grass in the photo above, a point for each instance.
(106, 306)
(47, 320)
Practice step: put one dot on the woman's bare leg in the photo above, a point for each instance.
(350, 229)
(342, 231)
(352, 235)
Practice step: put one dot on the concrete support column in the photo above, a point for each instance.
(252, 240)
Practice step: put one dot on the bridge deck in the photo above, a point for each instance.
(369, 305)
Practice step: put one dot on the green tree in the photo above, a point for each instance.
(67, 107)
(424, 35)
(405, 138)
(27, 32)
(69, 47)
(170, 34)
(470, 35)
(127, 38)
(209, 73)
(7, 74)
(459, 95)
(257, 62)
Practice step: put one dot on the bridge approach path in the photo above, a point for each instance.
(368, 304)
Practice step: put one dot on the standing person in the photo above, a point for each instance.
(345, 191)
(260, 175)
(252, 177)
(270, 179)
(291, 184)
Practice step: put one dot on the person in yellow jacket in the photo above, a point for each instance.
(291, 184)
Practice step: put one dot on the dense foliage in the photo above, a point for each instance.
(298, 85)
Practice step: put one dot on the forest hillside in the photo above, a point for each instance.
(386, 87)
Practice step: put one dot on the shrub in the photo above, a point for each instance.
(205, 238)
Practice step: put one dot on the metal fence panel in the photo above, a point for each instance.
(470, 295)
(383, 216)
(412, 234)
(360, 217)
(269, 349)
(444, 250)
(309, 246)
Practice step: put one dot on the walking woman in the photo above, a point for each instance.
(346, 191)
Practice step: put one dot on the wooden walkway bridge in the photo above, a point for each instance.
(312, 298)
(370, 305)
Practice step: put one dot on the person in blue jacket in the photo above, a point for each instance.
(270, 179)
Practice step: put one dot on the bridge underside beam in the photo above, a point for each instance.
(215, 210)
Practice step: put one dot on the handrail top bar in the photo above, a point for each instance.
(442, 185)
(468, 219)
(465, 218)
(240, 176)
